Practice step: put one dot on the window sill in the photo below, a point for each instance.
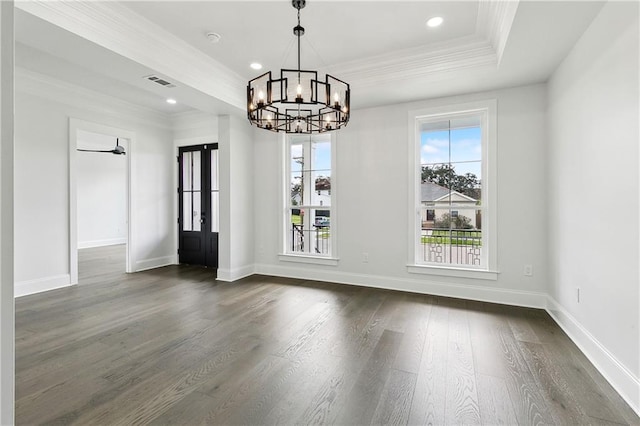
(444, 271)
(314, 260)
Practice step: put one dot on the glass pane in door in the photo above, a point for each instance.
(186, 171)
(197, 173)
(214, 170)
(197, 212)
(215, 217)
(187, 217)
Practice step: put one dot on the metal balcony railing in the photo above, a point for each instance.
(319, 237)
(451, 246)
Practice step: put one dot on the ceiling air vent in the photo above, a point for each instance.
(159, 80)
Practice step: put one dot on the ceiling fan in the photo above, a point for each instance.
(118, 150)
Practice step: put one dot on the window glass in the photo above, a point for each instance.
(308, 195)
(450, 231)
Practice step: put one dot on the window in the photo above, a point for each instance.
(454, 226)
(309, 219)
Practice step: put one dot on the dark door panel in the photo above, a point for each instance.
(198, 205)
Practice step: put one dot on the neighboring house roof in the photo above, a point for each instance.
(433, 192)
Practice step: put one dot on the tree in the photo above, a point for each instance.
(446, 176)
(297, 188)
(296, 191)
(449, 222)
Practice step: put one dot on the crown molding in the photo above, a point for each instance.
(50, 88)
(495, 18)
(461, 53)
(484, 48)
(119, 29)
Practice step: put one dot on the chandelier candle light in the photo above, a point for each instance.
(298, 102)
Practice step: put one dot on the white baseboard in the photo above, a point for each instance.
(101, 243)
(623, 380)
(528, 299)
(24, 288)
(156, 262)
(230, 275)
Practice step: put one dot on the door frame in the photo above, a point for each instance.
(76, 124)
(177, 144)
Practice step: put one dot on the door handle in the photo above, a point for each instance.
(203, 219)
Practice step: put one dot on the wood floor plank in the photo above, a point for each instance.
(233, 398)
(495, 404)
(360, 404)
(600, 400)
(187, 410)
(521, 328)
(414, 335)
(593, 400)
(428, 405)
(325, 404)
(309, 379)
(553, 386)
(175, 346)
(57, 402)
(528, 402)
(461, 405)
(395, 402)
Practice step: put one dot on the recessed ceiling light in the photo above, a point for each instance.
(213, 37)
(171, 101)
(436, 21)
(256, 66)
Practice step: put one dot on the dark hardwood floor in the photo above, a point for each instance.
(173, 346)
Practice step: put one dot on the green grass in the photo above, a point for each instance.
(460, 238)
(471, 233)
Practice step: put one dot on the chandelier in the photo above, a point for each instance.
(298, 102)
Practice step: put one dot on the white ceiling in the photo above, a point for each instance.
(336, 32)
(382, 48)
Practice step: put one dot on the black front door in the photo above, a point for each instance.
(199, 197)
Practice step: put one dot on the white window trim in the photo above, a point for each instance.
(303, 258)
(285, 169)
(488, 109)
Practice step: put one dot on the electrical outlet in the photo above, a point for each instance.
(365, 257)
(528, 270)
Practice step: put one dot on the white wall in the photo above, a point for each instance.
(43, 109)
(198, 126)
(372, 153)
(236, 238)
(101, 191)
(594, 194)
(7, 320)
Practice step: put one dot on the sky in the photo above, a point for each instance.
(464, 153)
(321, 160)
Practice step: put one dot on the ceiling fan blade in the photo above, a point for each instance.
(118, 150)
(93, 150)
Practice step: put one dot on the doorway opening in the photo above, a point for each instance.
(100, 204)
(101, 176)
(198, 205)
